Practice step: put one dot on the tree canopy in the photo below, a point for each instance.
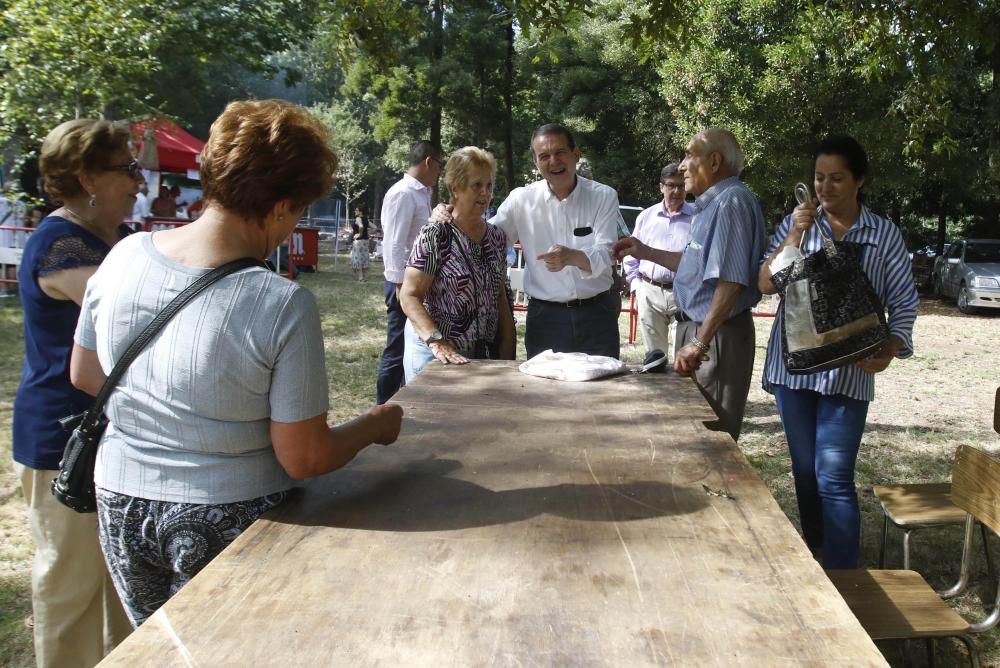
(916, 82)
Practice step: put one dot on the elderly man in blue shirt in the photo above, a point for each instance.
(715, 285)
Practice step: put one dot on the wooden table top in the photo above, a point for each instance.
(520, 521)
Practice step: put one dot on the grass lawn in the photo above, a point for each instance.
(925, 407)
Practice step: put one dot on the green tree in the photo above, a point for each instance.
(441, 69)
(359, 155)
(70, 58)
(592, 79)
(119, 58)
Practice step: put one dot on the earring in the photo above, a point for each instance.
(93, 200)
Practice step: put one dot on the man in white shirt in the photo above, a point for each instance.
(140, 212)
(405, 209)
(566, 225)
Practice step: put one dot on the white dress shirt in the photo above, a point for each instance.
(538, 219)
(142, 205)
(405, 209)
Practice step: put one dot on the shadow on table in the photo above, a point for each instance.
(422, 497)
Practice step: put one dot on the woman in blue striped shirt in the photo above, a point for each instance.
(824, 413)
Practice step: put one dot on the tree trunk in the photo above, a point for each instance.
(437, 54)
(508, 109)
(942, 224)
(436, 57)
(377, 208)
(478, 139)
(993, 111)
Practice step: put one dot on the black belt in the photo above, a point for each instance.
(659, 284)
(573, 303)
(681, 316)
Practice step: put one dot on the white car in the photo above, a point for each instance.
(970, 273)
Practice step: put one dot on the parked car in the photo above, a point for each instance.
(922, 265)
(629, 214)
(970, 273)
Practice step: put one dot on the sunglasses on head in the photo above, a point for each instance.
(132, 168)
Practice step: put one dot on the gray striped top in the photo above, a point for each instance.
(190, 420)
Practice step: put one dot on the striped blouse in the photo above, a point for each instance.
(887, 264)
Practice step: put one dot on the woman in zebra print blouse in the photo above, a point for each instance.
(454, 290)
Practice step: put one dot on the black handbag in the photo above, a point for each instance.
(831, 315)
(74, 486)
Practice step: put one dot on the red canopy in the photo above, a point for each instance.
(176, 150)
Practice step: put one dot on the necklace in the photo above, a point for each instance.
(477, 229)
(86, 223)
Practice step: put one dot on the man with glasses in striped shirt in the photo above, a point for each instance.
(715, 285)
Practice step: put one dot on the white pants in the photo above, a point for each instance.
(656, 317)
(78, 617)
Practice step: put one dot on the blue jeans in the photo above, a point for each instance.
(824, 434)
(390, 369)
(416, 353)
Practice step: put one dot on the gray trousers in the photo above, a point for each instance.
(725, 378)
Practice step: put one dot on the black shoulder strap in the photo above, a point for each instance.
(154, 327)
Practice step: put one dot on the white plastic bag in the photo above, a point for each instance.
(787, 256)
(572, 366)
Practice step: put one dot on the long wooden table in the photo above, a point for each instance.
(520, 521)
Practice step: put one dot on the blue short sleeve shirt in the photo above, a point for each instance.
(727, 242)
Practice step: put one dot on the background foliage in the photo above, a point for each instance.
(916, 82)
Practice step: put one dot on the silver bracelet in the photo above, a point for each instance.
(699, 344)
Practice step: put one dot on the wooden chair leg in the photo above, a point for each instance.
(930, 652)
(906, 549)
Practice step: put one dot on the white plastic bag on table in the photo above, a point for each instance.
(572, 366)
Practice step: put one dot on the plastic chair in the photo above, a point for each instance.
(516, 278)
(900, 605)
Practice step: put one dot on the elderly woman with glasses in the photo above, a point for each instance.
(88, 168)
(454, 291)
(219, 414)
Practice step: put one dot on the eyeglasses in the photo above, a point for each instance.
(672, 186)
(133, 169)
(440, 163)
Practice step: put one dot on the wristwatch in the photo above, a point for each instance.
(434, 337)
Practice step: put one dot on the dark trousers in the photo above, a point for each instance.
(724, 378)
(590, 328)
(824, 435)
(390, 368)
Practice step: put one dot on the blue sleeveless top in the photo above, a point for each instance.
(45, 394)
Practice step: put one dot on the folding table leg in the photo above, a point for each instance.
(885, 535)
